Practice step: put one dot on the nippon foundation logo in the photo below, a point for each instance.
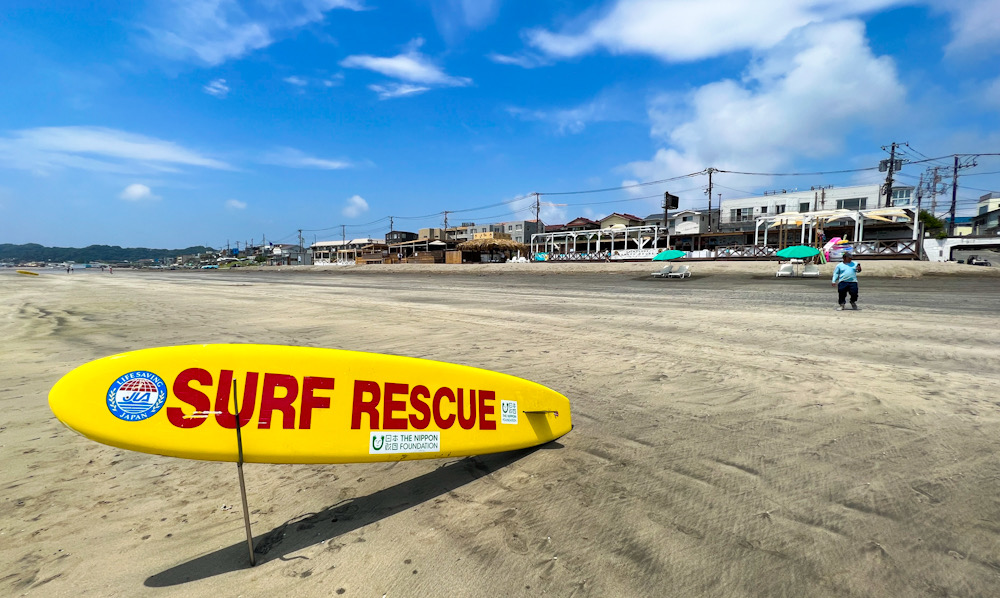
(136, 396)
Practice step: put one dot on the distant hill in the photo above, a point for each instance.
(33, 252)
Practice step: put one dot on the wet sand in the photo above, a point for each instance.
(734, 436)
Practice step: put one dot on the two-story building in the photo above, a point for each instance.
(987, 218)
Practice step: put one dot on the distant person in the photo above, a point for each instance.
(111, 270)
(845, 278)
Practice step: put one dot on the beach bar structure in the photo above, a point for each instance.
(615, 242)
(805, 228)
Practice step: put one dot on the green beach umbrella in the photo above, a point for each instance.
(669, 254)
(798, 252)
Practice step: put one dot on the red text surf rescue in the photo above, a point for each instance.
(375, 406)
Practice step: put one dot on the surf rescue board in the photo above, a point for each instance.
(303, 405)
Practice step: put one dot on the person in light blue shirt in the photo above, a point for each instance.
(845, 278)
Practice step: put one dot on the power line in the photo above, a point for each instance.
(646, 184)
(798, 173)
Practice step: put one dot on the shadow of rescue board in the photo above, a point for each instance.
(303, 405)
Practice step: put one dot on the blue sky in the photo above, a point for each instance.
(169, 124)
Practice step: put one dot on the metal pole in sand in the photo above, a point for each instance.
(243, 487)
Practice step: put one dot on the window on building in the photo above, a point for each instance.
(518, 227)
(779, 209)
(685, 219)
(763, 209)
(804, 206)
(854, 203)
(740, 214)
(510, 227)
(901, 197)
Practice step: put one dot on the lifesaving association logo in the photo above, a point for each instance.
(136, 396)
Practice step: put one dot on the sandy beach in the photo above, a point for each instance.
(734, 436)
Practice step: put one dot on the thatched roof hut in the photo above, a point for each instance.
(493, 245)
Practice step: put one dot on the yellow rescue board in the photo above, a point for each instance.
(303, 405)
(27, 272)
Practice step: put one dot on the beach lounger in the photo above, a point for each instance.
(663, 273)
(811, 270)
(682, 272)
(785, 270)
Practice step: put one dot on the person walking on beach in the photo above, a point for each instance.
(845, 278)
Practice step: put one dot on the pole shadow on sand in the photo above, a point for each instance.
(341, 518)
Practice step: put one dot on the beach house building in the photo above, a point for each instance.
(987, 218)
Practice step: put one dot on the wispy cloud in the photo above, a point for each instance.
(44, 149)
(296, 81)
(293, 158)
(217, 88)
(454, 17)
(528, 60)
(235, 204)
(608, 106)
(356, 206)
(214, 31)
(397, 90)
(410, 66)
(137, 192)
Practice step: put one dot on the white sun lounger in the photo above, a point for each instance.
(682, 272)
(811, 270)
(785, 270)
(664, 272)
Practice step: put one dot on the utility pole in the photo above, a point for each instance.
(710, 170)
(390, 225)
(300, 246)
(969, 163)
(935, 181)
(445, 225)
(954, 198)
(538, 208)
(889, 166)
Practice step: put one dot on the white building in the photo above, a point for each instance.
(860, 197)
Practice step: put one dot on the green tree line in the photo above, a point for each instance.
(33, 252)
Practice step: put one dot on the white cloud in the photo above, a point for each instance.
(975, 26)
(397, 90)
(528, 60)
(356, 206)
(217, 88)
(687, 30)
(137, 192)
(44, 149)
(801, 99)
(410, 66)
(608, 106)
(296, 81)
(293, 158)
(454, 17)
(214, 31)
(235, 204)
